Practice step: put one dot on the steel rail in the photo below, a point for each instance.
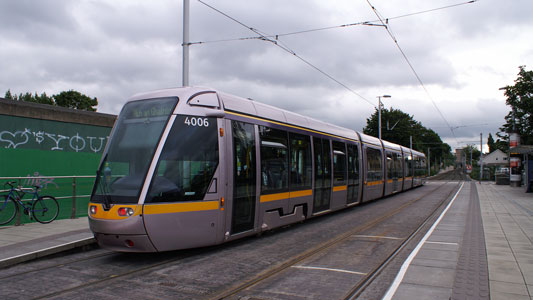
(358, 289)
(233, 290)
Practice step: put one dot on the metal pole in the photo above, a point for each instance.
(185, 73)
(429, 164)
(411, 142)
(481, 157)
(379, 115)
(73, 212)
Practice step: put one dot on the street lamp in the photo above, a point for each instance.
(379, 112)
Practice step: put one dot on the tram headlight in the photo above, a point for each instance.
(125, 211)
(93, 209)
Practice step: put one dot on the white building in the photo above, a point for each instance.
(496, 158)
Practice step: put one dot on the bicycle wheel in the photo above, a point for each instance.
(8, 210)
(45, 209)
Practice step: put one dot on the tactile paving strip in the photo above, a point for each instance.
(472, 274)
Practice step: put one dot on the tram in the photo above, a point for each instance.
(191, 167)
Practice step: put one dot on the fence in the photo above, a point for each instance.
(77, 189)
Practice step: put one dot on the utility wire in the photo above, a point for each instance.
(364, 23)
(265, 37)
(411, 66)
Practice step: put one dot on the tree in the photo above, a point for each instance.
(520, 99)
(74, 99)
(398, 127)
(43, 98)
(491, 143)
(70, 99)
(471, 150)
(498, 144)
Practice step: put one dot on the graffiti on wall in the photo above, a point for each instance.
(51, 141)
(39, 180)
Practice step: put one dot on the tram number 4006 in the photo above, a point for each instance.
(197, 121)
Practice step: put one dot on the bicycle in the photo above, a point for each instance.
(44, 209)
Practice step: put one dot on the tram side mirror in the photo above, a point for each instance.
(215, 114)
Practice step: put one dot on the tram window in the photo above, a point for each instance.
(244, 177)
(187, 163)
(274, 160)
(374, 165)
(322, 191)
(398, 165)
(339, 163)
(353, 173)
(390, 166)
(409, 166)
(300, 161)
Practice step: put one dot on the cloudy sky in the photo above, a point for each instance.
(113, 49)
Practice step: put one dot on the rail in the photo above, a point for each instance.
(48, 180)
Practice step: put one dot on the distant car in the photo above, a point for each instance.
(502, 170)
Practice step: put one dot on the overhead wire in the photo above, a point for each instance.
(412, 67)
(362, 23)
(265, 37)
(274, 39)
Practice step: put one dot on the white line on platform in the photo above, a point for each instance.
(377, 237)
(399, 277)
(329, 269)
(442, 243)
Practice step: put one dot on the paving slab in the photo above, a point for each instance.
(30, 241)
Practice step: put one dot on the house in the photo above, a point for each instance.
(496, 158)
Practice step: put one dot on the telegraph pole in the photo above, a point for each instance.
(185, 45)
(481, 157)
(379, 113)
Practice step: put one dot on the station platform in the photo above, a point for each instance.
(479, 248)
(30, 241)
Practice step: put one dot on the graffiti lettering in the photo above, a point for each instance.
(94, 149)
(39, 136)
(59, 138)
(52, 141)
(42, 182)
(14, 139)
(79, 143)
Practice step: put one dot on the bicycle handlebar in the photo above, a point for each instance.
(11, 184)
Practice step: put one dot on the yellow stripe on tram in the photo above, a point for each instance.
(371, 183)
(286, 195)
(153, 209)
(340, 188)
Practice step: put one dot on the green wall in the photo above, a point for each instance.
(33, 148)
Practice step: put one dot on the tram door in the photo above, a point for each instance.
(244, 177)
(322, 191)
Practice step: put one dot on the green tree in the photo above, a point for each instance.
(398, 127)
(471, 150)
(74, 99)
(43, 98)
(70, 99)
(496, 144)
(520, 99)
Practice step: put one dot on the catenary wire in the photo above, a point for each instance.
(363, 23)
(412, 67)
(264, 37)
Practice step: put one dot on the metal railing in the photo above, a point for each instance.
(45, 180)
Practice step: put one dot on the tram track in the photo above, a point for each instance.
(153, 263)
(39, 269)
(362, 285)
(369, 277)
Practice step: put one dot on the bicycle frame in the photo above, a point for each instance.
(18, 193)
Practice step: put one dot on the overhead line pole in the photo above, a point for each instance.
(186, 43)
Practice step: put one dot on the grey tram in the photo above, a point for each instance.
(192, 167)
